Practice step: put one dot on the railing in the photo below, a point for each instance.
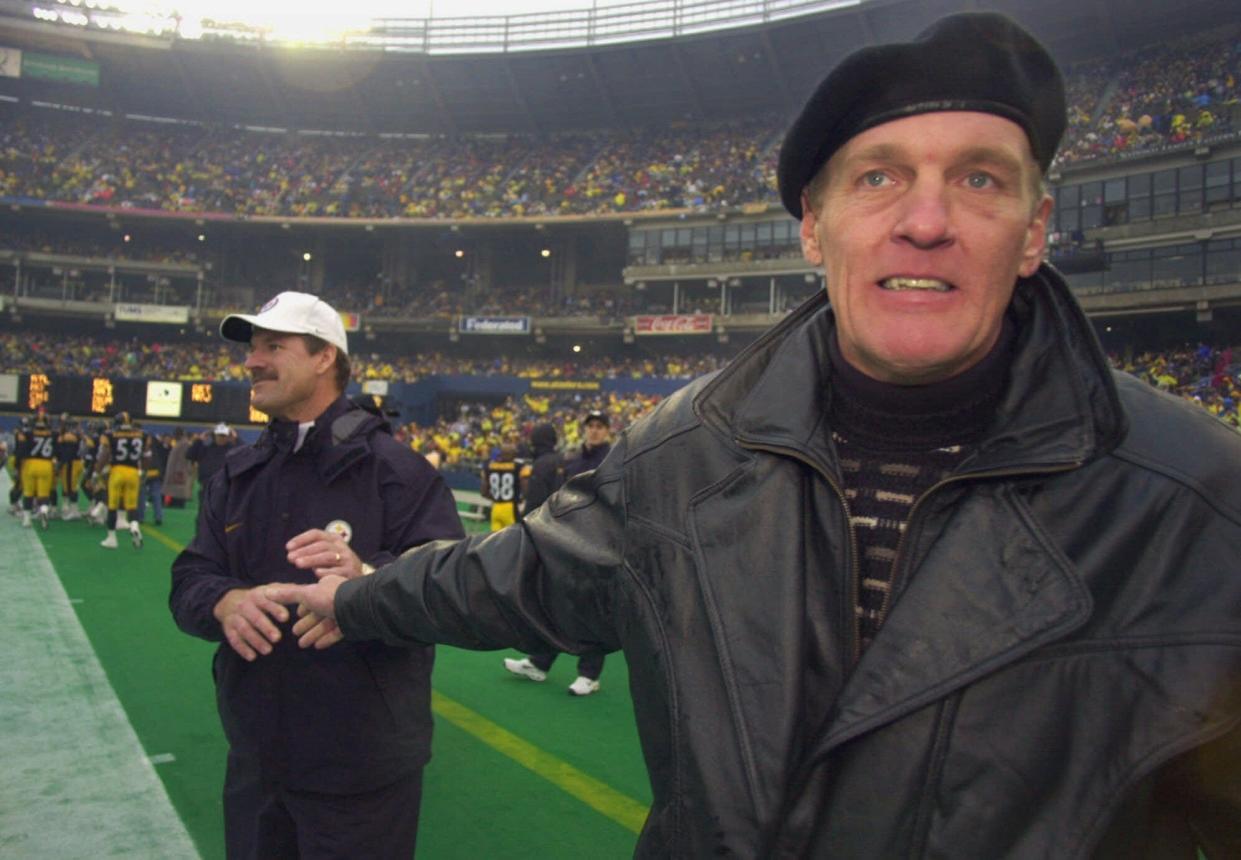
(597, 25)
(649, 19)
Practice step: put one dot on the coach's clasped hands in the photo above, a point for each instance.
(248, 616)
(331, 559)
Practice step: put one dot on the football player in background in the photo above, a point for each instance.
(10, 463)
(503, 479)
(36, 454)
(94, 483)
(70, 465)
(120, 454)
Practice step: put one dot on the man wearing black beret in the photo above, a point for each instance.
(916, 575)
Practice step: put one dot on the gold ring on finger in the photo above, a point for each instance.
(338, 558)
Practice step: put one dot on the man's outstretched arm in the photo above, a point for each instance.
(548, 581)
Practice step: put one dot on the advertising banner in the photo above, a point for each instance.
(494, 325)
(673, 324)
(565, 385)
(174, 314)
(352, 321)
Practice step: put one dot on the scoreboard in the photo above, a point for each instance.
(205, 402)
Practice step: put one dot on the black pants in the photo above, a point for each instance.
(589, 665)
(264, 820)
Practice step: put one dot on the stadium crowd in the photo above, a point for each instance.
(1152, 97)
(1208, 375)
(70, 355)
(474, 436)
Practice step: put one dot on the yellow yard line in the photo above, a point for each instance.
(153, 532)
(599, 796)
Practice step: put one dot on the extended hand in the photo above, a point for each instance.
(317, 608)
(314, 630)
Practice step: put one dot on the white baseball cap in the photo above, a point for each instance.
(221, 429)
(291, 313)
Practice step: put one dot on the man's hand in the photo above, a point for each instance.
(313, 630)
(246, 614)
(324, 553)
(316, 606)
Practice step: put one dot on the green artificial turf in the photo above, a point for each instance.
(478, 801)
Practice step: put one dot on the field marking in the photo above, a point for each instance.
(77, 782)
(152, 531)
(599, 796)
(607, 801)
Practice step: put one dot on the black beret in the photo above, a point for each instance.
(972, 61)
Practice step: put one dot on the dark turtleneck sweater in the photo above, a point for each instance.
(894, 443)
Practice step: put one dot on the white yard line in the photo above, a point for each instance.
(77, 783)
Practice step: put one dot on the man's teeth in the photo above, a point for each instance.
(916, 284)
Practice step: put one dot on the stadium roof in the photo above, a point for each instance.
(655, 81)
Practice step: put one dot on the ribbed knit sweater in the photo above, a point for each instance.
(896, 442)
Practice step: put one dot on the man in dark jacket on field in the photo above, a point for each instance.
(916, 575)
(209, 451)
(326, 749)
(556, 468)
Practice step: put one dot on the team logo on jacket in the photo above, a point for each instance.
(340, 528)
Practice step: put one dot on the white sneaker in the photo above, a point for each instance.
(71, 514)
(525, 668)
(25, 519)
(135, 535)
(583, 686)
(43, 517)
(109, 542)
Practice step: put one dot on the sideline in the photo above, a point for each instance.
(599, 796)
(77, 782)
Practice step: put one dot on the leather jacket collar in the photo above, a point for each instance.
(1060, 408)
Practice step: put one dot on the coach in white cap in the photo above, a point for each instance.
(325, 750)
(290, 313)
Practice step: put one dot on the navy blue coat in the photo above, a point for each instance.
(353, 717)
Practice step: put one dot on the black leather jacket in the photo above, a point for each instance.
(1059, 675)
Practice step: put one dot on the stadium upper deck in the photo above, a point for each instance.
(649, 164)
(671, 74)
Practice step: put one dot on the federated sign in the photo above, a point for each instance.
(494, 325)
(673, 324)
(350, 320)
(173, 314)
(65, 70)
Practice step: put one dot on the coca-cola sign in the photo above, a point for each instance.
(673, 324)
